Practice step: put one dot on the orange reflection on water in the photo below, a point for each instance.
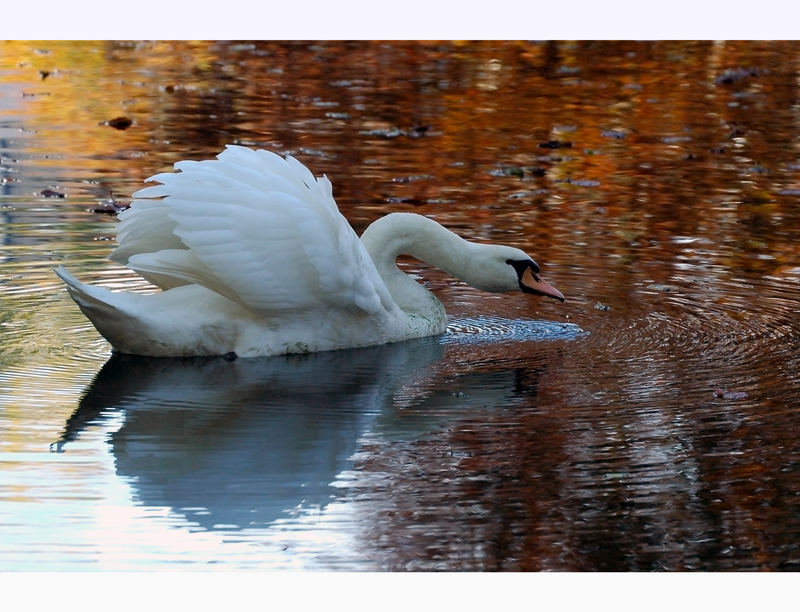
(658, 185)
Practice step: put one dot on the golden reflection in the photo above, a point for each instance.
(639, 138)
(660, 180)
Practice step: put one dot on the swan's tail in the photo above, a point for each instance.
(104, 308)
(158, 324)
(93, 299)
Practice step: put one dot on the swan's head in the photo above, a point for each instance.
(505, 268)
(527, 272)
(488, 267)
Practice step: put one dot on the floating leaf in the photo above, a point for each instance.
(725, 394)
(674, 139)
(120, 123)
(384, 132)
(556, 144)
(730, 76)
(110, 207)
(583, 182)
(617, 134)
(508, 171)
(664, 288)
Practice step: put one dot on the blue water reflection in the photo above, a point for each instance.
(240, 444)
(654, 182)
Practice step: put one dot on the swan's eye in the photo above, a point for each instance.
(528, 276)
(520, 265)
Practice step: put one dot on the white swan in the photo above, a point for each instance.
(254, 258)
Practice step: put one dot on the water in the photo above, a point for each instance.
(649, 423)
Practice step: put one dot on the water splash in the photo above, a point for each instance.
(475, 330)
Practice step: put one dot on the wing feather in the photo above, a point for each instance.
(253, 226)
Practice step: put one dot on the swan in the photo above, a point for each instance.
(253, 258)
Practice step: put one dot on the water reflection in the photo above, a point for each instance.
(658, 183)
(240, 444)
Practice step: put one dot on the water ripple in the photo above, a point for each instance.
(473, 330)
(730, 335)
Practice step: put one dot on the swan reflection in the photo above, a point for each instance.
(241, 444)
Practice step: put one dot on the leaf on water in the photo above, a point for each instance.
(384, 132)
(519, 171)
(616, 134)
(520, 194)
(120, 123)
(725, 394)
(508, 171)
(580, 182)
(735, 130)
(674, 139)
(111, 207)
(409, 179)
(556, 144)
(403, 200)
(732, 75)
(49, 193)
(664, 288)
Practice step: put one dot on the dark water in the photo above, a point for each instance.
(649, 423)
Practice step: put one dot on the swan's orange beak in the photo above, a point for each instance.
(531, 283)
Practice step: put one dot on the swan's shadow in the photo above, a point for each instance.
(238, 444)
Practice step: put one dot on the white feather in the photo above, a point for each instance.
(261, 230)
(254, 257)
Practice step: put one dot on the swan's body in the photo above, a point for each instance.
(254, 258)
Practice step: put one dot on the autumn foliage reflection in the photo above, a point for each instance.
(658, 184)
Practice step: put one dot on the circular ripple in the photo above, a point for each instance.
(743, 324)
(734, 335)
(497, 329)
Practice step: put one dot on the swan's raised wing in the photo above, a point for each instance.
(255, 227)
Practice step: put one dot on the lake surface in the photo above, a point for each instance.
(649, 423)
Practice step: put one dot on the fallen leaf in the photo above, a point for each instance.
(556, 144)
(616, 134)
(121, 123)
(664, 288)
(110, 207)
(725, 394)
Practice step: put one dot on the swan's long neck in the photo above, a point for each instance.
(409, 234)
